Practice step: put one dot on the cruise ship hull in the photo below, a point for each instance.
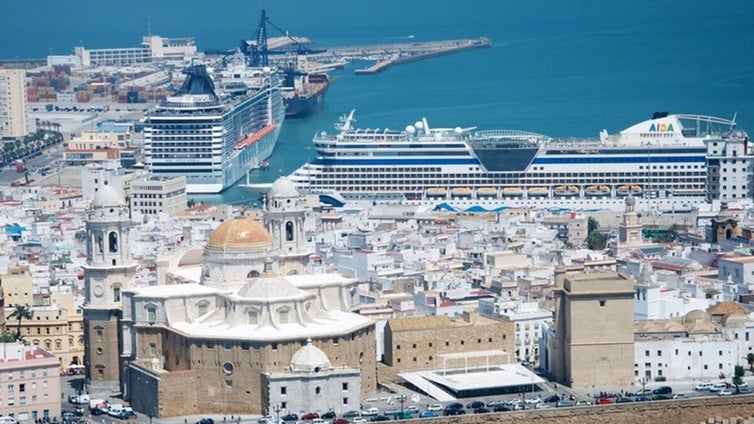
(662, 164)
(215, 137)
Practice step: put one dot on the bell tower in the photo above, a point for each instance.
(284, 217)
(108, 271)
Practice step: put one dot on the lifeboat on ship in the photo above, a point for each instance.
(486, 192)
(625, 190)
(513, 191)
(253, 138)
(598, 190)
(538, 191)
(436, 192)
(567, 190)
(460, 192)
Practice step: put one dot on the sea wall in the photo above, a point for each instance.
(731, 409)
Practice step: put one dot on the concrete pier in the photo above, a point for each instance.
(425, 51)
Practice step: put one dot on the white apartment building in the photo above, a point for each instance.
(528, 319)
(739, 270)
(13, 118)
(30, 382)
(154, 195)
(153, 47)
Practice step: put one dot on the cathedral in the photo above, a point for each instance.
(238, 327)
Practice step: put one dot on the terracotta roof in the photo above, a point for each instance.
(726, 308)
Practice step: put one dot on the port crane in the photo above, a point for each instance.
(257, 49)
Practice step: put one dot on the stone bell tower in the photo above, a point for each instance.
(284, 217)
(108, 271)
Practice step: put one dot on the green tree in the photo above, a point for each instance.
(738, 373)
(591, 225)
(20, 313)
(7, 337)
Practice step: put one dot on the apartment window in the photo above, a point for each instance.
(720, 353)
(253, 317)
(22, 387)
(659, 353)
(11, 388)
(283, 316)
(22, 399)
(283, 390)
(398, 347)
(283, 405)
(345, 386)
(602, 303)
(317, 390)
(153, 349)
(274, 346)
(345, 401)
(151, 313)
(430, 344)
(414, 346)
(116, 294)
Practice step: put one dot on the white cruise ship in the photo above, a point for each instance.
(215, 136)
(668, 163)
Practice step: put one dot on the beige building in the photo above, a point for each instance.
(418, 342)
(593, 340)
(13, 116)
(155, 195)
(30, 381)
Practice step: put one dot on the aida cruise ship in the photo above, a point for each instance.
(671, 162)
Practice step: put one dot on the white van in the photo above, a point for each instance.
(114, 409)
(704, 386)
(718, 386)
(7, 420)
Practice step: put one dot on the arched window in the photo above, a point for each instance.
(112, 242)
(289, 231)
(202, 307)
(151, 313)
(283, 315)
(253, 274)
(253, 315)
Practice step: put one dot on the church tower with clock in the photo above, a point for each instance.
(109, 270)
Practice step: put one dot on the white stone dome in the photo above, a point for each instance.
(271, 288)
(107, 196)
(310, 358)
(283, 188)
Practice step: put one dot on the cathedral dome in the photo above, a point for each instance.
(310, 358)
(697, 316)
(107, 196)
(274, 288)
(283, 188)
(239, 234)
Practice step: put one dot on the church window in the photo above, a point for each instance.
(116, 294)
(202, 307)
(227, 345)
(289, 231)
(99, 244)
(151, 314)
(253, 316)
(317, 390)
(100, 334)
(283, 316)
(602, 303)
(153, 349)
(112, 242)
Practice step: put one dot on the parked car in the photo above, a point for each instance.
(127, 415)
(663, 390)
(502, 408)
(582, 402)
(428, 414)
(369, 412)
(641, 399)
(565, 404)
(359, 420)
(437, 407)
(680, 396)
(474, 405)
(351, 414)
(704, 386)
(392, 411)
(543, 406)
(412, 409)
(454, 405)
(340, 421)
(206, 421)
(604, 401)
(533, 400)
(624, 400)
(453, 411)
(481, 410)
(725, 392)
(661, 397)
(329, 415)
(552, 398)
(290, 417)
(495, 403)
(405, 415)
(718, 386)
(379, 418)
(97, 411)
(310, 416)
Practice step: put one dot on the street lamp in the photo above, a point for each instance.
(401, 399)
(643, 382)
(277, 409)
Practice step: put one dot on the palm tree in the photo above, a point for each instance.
(20, 313)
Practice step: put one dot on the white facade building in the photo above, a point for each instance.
(528, 319)
(13, 118)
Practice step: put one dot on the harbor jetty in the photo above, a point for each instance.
(387, 55)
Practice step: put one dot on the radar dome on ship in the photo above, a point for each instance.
(410, 130)
(266, 69)
(458, 131)
(419, 125)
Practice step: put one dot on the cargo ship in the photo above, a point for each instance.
(303, 90)
(667, 163)
(215, 135)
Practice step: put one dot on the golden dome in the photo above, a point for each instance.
(239, 234)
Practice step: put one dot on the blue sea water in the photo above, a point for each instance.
(561, 68)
